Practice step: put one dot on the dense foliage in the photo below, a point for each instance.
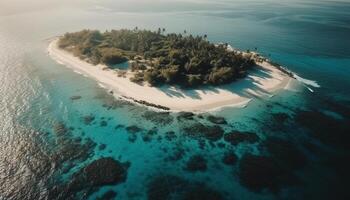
(159, 58)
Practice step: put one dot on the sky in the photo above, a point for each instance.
(10, 7)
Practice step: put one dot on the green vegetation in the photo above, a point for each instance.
(160, 59)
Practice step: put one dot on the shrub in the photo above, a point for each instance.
(111, 56)
(221, 75)
(153, 77)
(170, 74)
(194, 80)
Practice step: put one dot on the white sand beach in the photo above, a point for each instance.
(264, 81)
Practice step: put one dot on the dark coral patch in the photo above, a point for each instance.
(70, 150)
(229, 158)
(133, 129)
(164, 187)
(146, 138)
(76, 97)
(104, 171)
(201, 192)
(341, 107)
(183, 116)
(325, 128)
(60, 128)
(261, 172)
(102, 147)
(216, 119)
(170, 187)
(177, 154)
(199, 130)
(170, 135)
(132, 137)
(236, 137)
(153, 131)
(88, 119)
(280, 117)
(119, 126)
(196, 163)
(286, 153)
(103, 123)
(109, 195)
(160, 118)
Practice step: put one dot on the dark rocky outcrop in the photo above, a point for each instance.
(145, 103)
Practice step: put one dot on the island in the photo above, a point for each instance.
(178, 72)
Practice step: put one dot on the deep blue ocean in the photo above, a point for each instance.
(55, 123)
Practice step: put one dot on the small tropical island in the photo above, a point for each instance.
(179, 72)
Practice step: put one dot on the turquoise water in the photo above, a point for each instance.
(37, 161)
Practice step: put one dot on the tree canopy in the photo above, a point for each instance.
(172, 58)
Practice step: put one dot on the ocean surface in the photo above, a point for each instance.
(55, 123)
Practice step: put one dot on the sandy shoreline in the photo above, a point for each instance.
(264, 81)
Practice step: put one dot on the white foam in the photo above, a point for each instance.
(311, 90)
(101, 85)
(59, 62)
(76, 71)
(306, 81)
(230, 48)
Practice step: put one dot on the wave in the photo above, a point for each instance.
(307, 81)
(304, 81)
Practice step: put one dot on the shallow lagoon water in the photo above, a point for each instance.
(36, 96)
